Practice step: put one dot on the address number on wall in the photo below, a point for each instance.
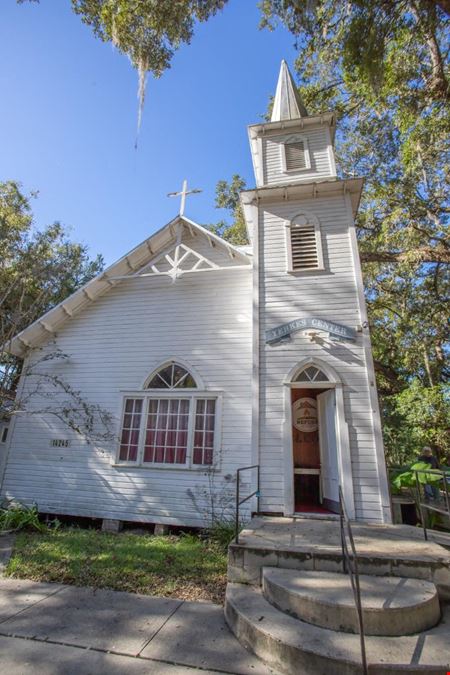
(60, 443)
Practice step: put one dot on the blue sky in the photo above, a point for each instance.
(69, 109)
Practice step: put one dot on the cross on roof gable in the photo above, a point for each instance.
(136, 264)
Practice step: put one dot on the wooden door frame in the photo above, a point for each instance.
(342, 435)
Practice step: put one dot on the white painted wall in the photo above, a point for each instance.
(331, 294)
(205, 320)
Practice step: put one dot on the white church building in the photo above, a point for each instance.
(210, 357)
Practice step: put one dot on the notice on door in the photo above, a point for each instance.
(304, 415)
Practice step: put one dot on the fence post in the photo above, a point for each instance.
(424, 525)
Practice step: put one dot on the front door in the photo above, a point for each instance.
(306, 451)
(326, 407)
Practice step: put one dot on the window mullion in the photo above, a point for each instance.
(191, 427)
(157, 429)
(176, 432)
(169, 413)
(142, 432)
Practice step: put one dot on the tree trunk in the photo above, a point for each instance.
(437, 86)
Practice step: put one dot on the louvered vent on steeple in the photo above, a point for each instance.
(304, 247)
(295, 153)
(305, 250)
(295, 156)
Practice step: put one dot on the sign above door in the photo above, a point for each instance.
(335, 329)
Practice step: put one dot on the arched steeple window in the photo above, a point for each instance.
(172, 422)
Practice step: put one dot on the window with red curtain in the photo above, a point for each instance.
(172, 430)
(166, 435)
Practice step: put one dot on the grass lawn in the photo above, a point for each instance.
(185, 566)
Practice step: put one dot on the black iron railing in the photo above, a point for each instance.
(440, 506)
(350, 567)
(239, 501)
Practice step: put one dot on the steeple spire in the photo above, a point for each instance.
(287, 104)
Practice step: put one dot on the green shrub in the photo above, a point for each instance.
(222, 533)
(408, 478)
(17, 516)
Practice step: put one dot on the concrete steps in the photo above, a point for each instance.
(391, 605)
(293, 646)
(302, 544)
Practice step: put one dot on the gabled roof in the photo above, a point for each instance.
(287, 104)
(127, 267)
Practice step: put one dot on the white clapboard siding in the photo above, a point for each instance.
(317, 141)
(113, 345)
(329, 294)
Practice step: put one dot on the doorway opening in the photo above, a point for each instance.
(314, 443)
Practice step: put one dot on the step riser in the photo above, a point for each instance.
(284, 658)
(245, 566)
(295, 647)
(399, 622)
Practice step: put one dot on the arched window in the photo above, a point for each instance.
(304, 244)
(172, 376)
(170, 423)
(311, 374)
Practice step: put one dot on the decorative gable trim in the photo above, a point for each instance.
(181, 259)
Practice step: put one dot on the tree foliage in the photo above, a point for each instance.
(416, 417)
(148, 32)
(38, 269)
(227, 197)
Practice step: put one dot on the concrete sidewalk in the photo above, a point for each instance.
(51, 629)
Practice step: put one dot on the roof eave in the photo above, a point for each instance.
(326, 187)
(327, 117)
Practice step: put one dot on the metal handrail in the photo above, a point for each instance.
(431, 507)
(350, 567)
(242, 501)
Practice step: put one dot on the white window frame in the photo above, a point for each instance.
(302, 220)
(192, 395)
(295, 138)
